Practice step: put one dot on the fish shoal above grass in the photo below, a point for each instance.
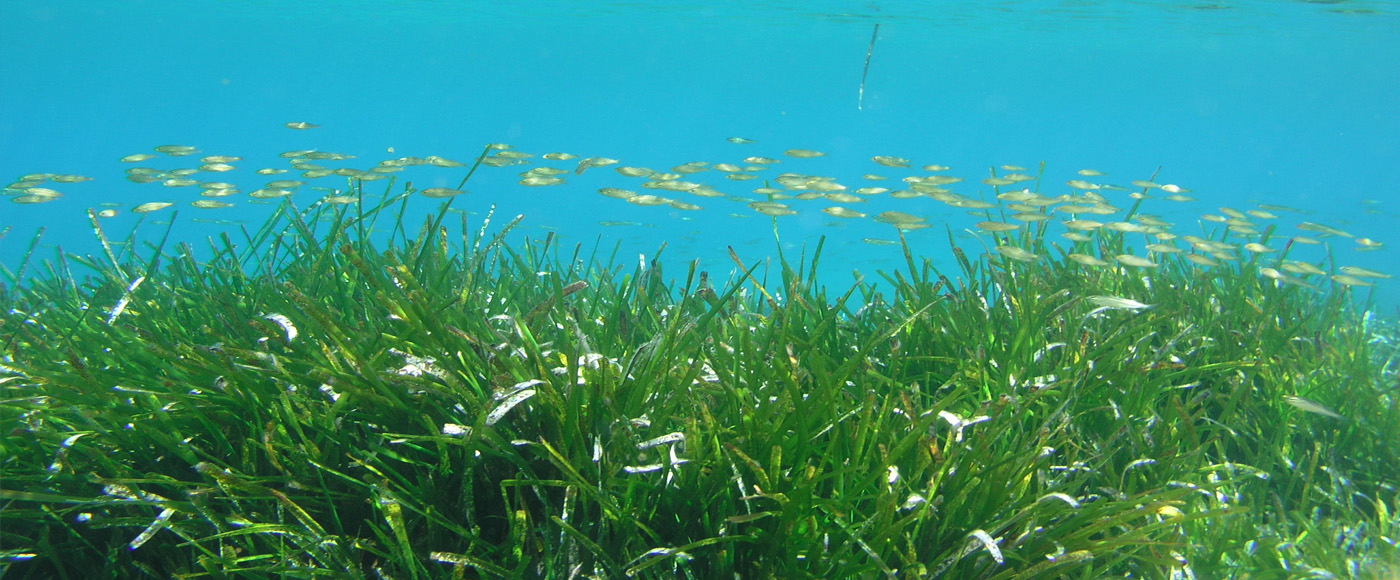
(1029, 216)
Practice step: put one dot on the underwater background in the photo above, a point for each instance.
(252, 326)
(1288, 103)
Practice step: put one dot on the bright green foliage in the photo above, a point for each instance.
(316, 402)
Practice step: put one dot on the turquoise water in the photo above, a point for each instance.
(1288, 103)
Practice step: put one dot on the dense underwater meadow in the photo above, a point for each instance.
(345, 391)
(750, 289)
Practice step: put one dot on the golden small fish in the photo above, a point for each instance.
(841, 212)
(769, 208)
(440, 192)
(1366, 244)
(647, 199)
(1361, 272)
(1015, 253)
(210, 204)
(1302, 268)
(436, 161)
(940, 180)
(897, 217)
(1346, 280)
(1135, 261)
(1285, 278)
(28, 199)
(176, 150)
(1201, 260)
(151, 206)
(843, 198)
(541, 180)
(691, 167)
(587, 162)
(617, 193)
(997, 226)
(1087, 260)
(1083, 225)
(1322, 229)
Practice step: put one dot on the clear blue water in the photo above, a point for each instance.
(1280, 102)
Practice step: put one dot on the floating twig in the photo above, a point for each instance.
(860, 101)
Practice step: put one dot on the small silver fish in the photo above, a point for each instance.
(1310, 406)
(1118, 302)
